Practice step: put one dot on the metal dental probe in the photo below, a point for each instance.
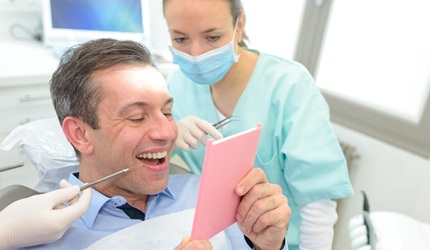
(90, 184)
(224, 121)
(12, 167)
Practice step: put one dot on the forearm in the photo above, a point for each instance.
(316, 229)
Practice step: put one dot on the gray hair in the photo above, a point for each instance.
(73, 91)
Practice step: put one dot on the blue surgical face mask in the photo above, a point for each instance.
(207, 68)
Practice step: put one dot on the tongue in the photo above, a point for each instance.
(151, 161)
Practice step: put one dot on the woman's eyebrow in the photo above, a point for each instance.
(203, 32)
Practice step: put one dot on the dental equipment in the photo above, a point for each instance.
(12, 167)
(90, 184)
(225, 121)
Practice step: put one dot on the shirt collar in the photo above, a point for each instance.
(98, 200)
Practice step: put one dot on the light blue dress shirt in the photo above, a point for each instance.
(104, 217)
(297, 149)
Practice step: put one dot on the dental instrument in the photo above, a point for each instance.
(225, 121)
(12, 167)
(90, 184)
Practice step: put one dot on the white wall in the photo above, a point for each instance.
(394, 180)
(160, 38)
(273, 25)
(24, 12)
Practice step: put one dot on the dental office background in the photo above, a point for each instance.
(371, 60)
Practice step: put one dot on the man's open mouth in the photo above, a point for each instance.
(153, 158)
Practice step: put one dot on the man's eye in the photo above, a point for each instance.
(137, 119)
(167, 111)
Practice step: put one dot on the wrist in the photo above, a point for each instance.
(252, 246)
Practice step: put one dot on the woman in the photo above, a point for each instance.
(220, 76)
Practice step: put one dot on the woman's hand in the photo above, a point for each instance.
(42, 218)
(192, 131)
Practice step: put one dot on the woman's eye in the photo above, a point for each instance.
(213, 38)
(179, 39)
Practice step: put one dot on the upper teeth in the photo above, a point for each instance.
(158, 155)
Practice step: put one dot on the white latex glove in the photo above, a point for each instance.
(192, 131)
(358, 233)
(42, 218)
(392, 231)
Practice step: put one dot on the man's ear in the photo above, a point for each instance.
(76, 132)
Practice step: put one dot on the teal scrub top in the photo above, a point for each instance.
(297, 149)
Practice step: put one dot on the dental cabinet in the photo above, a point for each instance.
(25, 71)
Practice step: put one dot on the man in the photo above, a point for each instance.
(115, 110)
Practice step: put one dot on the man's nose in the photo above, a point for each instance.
(163, 128)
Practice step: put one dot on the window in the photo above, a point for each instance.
(371, 60)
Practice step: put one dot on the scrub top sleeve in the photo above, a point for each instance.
(315, 167)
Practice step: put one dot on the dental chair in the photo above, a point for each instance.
(13, 193)
(385, 230)
(47, 148)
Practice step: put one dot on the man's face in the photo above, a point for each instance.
(136, 129)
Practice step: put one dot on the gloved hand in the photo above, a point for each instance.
(362, 233)
(392, 231)
(358, 233)
(42, 218)
(192, 130)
